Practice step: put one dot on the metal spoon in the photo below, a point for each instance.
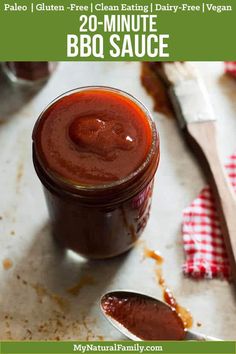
(190, 336)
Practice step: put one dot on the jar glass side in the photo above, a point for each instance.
(100, 221)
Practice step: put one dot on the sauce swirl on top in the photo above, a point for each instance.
(94, 137)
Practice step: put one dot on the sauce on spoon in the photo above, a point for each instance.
(146, 318)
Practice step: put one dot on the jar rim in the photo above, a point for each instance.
(106, 186)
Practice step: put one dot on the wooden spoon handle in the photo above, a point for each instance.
(202, 137)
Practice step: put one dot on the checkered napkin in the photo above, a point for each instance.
(230, 68)
(203, 242)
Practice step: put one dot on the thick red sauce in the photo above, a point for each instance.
(144, 317)
(93, 137)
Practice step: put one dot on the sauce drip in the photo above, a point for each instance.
(168, 296)
(93, 137)
(7, 263)
(100, 137)
(144, 317)
(154, 255)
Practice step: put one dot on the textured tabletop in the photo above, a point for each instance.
(50, 294)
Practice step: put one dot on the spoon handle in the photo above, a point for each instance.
(200, 337)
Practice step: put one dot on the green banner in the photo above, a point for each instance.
(116, 30)
(117, 347)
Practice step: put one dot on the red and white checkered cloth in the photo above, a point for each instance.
(203, 242)
(230, 67)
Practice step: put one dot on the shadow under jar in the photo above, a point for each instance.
(96, 151)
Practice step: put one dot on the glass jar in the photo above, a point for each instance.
(104, 220)
(28, 72)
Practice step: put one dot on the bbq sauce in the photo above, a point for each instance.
(96, 151)
(144, 317)
(168, 296)
(94, 137)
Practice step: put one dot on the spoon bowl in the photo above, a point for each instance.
(141, 317)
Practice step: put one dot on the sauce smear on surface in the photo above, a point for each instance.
(152, 82)
(154, 255)
(168, 296)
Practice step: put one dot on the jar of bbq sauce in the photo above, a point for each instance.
(28, 72)
(96, 151)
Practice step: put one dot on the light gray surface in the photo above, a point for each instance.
(35, 288)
